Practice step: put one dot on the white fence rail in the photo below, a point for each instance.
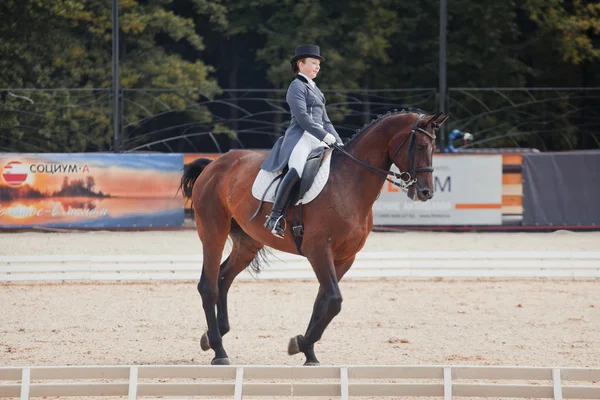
(239, 382)
(287, 266)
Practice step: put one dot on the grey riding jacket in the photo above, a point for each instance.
(307, 106)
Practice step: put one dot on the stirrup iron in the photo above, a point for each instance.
(276, 224)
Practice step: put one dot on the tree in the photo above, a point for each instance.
(67, 44)
(558, 44)
(233, 29)
(173, 52)
(571, 24)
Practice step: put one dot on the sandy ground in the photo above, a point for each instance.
(392, 321)
(544, 323)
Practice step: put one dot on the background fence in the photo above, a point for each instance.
(198, 120)
(239, 382)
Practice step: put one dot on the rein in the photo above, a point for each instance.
(382, 173)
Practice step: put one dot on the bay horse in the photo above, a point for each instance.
(336, 223)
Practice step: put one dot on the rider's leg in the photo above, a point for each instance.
(300, 153)
(274, 221)
(296, 166)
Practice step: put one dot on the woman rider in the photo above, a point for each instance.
(309, 128)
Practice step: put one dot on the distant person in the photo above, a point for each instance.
(309, 128)
(454, 135)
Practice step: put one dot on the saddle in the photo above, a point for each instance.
(305, 190)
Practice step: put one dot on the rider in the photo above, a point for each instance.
(309, 128)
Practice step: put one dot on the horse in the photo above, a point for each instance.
(336, 223)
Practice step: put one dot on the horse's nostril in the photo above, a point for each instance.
(425, 192)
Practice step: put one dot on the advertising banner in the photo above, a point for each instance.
(90, 190)
(467, 191)
(562, 189)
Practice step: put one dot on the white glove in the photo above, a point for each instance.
(329, 139)
(468, 136)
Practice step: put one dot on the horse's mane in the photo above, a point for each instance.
(379, 118)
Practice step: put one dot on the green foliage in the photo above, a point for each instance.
(185, 46)
(571, 25)
(68, 44)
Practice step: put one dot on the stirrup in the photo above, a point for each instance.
(274, 230)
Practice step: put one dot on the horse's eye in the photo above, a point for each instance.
(421, 147)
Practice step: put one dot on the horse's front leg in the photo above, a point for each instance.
(327, 306)
(308, 350)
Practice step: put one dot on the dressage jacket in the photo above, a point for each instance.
(307, 106)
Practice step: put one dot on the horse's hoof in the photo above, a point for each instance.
(294, 347)
(204, 345)
(220, 361)
(312, 364)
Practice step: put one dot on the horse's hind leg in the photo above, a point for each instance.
(244, 250)
(243, 253)
(204, 344)
(213, 232)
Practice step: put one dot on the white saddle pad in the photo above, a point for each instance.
(264, 178)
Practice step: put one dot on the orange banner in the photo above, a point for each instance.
(90, 190)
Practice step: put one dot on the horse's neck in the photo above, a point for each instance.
(358, 180)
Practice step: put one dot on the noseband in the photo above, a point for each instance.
(408, 177)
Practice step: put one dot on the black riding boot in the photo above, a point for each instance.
(275, 221)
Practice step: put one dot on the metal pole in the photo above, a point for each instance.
(442, 89)
(115, 70)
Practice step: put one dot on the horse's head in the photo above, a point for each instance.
(411, 150)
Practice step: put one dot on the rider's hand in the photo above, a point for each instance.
(329, 139)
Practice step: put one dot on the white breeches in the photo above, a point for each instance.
(301, 151)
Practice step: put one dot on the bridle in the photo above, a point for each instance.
(408, 177)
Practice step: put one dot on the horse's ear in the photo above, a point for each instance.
(440, 118)
(434, 117)
(430, 119)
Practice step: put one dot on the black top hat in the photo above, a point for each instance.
(307, 50)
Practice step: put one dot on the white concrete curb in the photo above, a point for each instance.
(287, 266)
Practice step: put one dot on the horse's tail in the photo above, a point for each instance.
(191, 172)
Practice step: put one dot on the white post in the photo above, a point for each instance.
(25, 380)
(447, 383)
(239, 383)
(133, 381)
(344, 383)
(556, 384)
